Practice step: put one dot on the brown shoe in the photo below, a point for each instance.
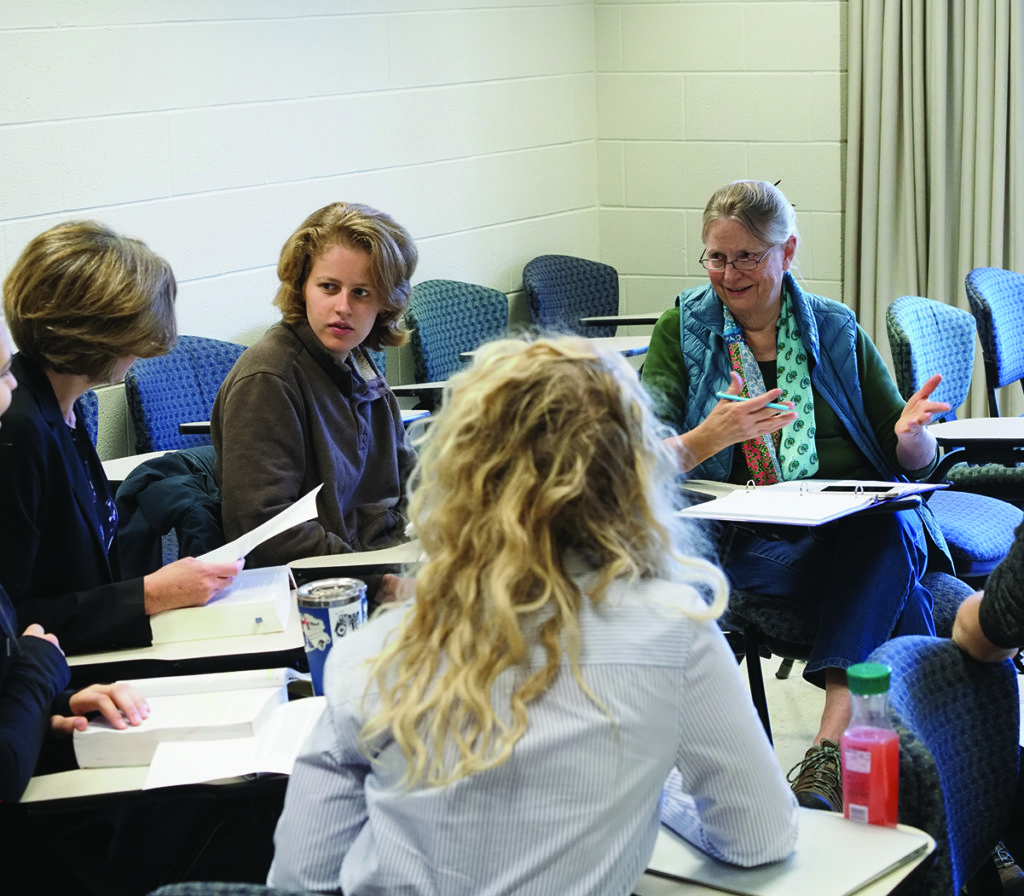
(819, 778)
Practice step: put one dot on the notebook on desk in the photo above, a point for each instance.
(803, 502)
(833, 857)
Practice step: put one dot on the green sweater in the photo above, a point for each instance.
(664, 374)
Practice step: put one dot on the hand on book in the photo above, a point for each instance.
(120, 704)
(187, 583)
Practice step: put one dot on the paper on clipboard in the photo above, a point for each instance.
(302, 510)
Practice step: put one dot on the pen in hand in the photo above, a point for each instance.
(775, 406)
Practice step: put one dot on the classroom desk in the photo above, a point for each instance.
(832, 857)
(118, 468)
(628, 346)
(996, 434)
(118, 786)
(202, 427)
(643, 318)
(263, 651)
(980, 440)
(416, 388)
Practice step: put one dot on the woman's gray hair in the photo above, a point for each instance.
(761, 207)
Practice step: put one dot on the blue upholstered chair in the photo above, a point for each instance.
(448, 317)
(996, 297)
(91, 414)
(380, 360)
(757, 625)
(561, 289)
(178, 387)
(958, 722)
(928, 337)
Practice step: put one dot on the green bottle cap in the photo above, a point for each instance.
(868, 678)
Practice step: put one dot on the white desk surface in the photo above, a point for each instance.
(834, 836)
(415, 388)
(81, 782)
(624, 345)
(290, 638)
(641, 318)
(1008, 429)
(118, 468)
(407, 552)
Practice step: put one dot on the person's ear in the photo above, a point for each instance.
(788, 251)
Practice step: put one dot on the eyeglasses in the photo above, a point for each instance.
(740, 264)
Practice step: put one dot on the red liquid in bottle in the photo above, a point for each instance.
(871, 768)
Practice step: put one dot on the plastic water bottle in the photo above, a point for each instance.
(870, 749)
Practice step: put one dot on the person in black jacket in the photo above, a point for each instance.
(34, 673)
(82, 302)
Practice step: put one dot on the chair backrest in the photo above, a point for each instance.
(90, 406)
(380, 360)
(959, 728)
(928, 337)
(561, 289)
(448, 317)
(178, 387)
(996, 297)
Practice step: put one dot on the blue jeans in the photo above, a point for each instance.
(860, 576)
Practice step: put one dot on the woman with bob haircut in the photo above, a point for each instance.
(81, 302)
(305, 404)
(511, 728)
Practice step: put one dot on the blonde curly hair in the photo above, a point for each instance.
(545, 453)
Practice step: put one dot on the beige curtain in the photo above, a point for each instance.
(935, 156)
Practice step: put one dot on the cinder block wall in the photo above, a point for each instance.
(693, 94)
(495, 130)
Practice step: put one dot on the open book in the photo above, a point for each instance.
(255, 603)
(271, 751)
(801, 502)
(214, 706)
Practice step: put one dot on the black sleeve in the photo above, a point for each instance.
(1001, 614)
(32, 677)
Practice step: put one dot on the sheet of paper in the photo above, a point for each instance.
(302, 510)
(275, 750)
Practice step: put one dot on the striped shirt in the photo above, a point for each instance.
(575, 809)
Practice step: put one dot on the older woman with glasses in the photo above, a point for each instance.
(753, 332)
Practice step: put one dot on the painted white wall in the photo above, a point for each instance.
(694, 94)
(495, 130)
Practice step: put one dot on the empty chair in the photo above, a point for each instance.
(958, 725)
(379, 359)
(91, 414)
(765, 626)
(928, 337)
(447, 318)
(996, 297)
(561, 289)
(178, 387)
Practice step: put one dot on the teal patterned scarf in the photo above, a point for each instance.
(791, 453)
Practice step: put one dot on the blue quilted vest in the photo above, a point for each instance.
(830, 337)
